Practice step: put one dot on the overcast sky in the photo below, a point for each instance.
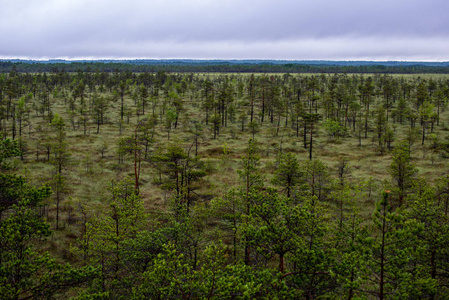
(226, 29)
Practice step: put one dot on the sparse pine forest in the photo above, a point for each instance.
(159, 185)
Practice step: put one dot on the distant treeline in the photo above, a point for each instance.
(233, 66)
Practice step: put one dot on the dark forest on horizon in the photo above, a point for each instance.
(225, 66)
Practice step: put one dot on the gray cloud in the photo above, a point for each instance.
(283, 29)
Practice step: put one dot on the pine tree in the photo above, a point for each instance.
(271, 227)
(402, 171)
(430, 269)
(287, 173)
(60, 147)
(230, 210)
(314, 255)
(393, 250)
(352, 244)
(252, 180)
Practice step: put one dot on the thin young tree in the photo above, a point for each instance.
(402, 171)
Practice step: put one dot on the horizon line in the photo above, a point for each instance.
(212, 59)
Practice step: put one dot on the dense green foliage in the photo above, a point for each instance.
(188, 186)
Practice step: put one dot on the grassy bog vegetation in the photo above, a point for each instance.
(223, 186)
